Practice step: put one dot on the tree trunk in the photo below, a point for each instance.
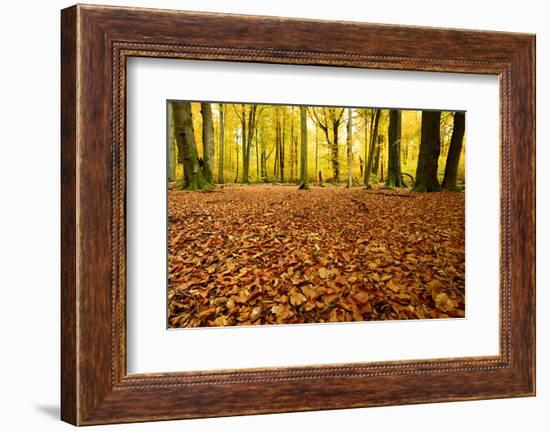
(264, 165)
(193, 177)
(335, 152)
(428, 156)
(207, 141)
(296, 155)
(331, 121)
(292, 144)
(222, 143)
(282, 149)
(247, 141)
(368, 125)
(171, 147)
(316, 151)
(179, 142)
(243, 141)
(277, 143)
(394, 150)
(372, 140)
(304, 179)
(349, 133)
(257, 156)
(237, 157)
(376, 164)
(455, 148)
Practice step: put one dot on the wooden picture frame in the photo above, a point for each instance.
(95, 43)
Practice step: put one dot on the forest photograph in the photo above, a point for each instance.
(296, 214)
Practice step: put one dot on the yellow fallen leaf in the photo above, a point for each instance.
(443, 303)
(296, 298)
(313, 292)
(282, 311)
(220, 321)
(393, 286)
(256, 313)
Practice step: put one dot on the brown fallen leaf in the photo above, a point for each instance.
(361, 297)
(266, 246)
(443, 302)
(282, 312)
(393, 286)
(296, 297)
(256, 313)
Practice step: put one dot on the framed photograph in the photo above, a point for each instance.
(264, 214)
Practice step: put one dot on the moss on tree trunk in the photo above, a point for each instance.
(193, 169)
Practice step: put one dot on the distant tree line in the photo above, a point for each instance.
(297, 144)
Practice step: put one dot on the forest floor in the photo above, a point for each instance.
(264, 254)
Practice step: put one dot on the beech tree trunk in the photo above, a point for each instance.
(349, 133)
(277, 143)
(373, 139)
(304, 179)
(244, 178)
(171, 144)
(292, 149)
(316, 151)
(329, 121)
(257, 155)
(248, 142)
(207, 141)
(335, 151)
(376, 164)
(222, 144)
(193, 177)
(428, 156)
(282, 150)
(455, 149)
(394, 150)
(237, 157)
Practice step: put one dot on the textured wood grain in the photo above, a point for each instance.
(96, 41)
(69, 397)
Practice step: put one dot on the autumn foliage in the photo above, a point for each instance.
(272, 254)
